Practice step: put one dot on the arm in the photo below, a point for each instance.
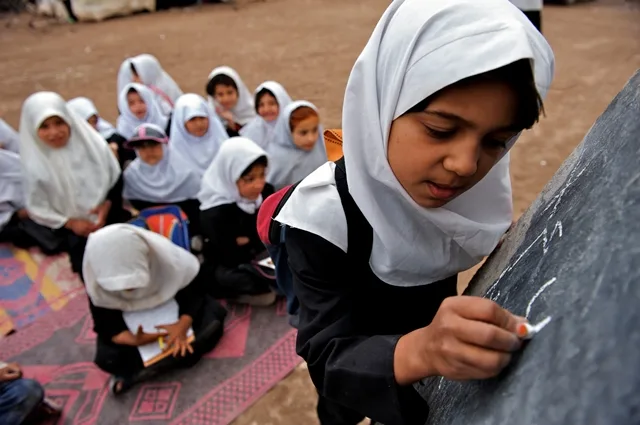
(354, 370)
(190, 300)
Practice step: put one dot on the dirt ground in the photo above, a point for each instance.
(310, 47)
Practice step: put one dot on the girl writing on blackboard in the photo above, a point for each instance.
(433, 104)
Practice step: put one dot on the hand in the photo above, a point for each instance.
(114, 149)
(80, 226)
(228, 117)
(142, 338)
(10, 372)
(177, 336)
(23, 214)
(469, 338)
(242, 240)
(102, 211)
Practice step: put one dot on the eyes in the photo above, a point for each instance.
(489, 142)
(304, 132)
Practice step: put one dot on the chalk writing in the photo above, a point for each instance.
(537, 294)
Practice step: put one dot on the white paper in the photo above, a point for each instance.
(164, 314)
(267, 262)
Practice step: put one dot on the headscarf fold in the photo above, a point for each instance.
(84, 107)
(244, 110)
(259, 130)
(127, 122)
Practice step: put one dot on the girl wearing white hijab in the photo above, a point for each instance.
(87, 110)
(146, 69)
(433, 104)
(159, 176)
(9, 139)
(230, 98)
(297, 146)
(196, 132)
(232, 191)
(71, 178)
(129, 270)
(138, 106)
(270, 99)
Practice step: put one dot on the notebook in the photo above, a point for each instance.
(163, 314)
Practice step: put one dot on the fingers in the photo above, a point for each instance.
(189, 347)
(483, 310)
(485, 335)
(139, 331)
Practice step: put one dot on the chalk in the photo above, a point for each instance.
(528, 331)
(161, 343)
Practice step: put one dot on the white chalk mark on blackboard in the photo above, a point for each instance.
(540, 291)
(558, 197)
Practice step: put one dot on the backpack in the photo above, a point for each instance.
(273, 234)
(169, 221)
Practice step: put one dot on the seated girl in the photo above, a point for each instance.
(146, 69)
(9, 139)
(138, 106)
(159, 176)
(433, 104)
(16, 227)
(71, 178)
(230, 98)
(297, 147)
(87, 110)
(129, 270)
(232, 191)
(196, 132)
(270, 100)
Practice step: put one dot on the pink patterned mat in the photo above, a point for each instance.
(257, 351)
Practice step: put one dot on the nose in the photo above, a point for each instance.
(463, 158)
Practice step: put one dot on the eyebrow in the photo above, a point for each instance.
(460, 120)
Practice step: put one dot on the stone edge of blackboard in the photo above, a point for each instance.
(500, 258)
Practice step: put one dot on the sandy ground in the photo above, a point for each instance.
(310, 46)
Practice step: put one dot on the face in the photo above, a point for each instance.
(305, 134)
(150, 153)
(93, 121)
(443, 151)
(227, 96)
(137, 105)
(268, 107)
(197, 126)
(251, 185)
(54, 132)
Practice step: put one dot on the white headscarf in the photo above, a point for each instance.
(170, 180)
(417, 49)
(127, 122)
(86, 109)
(198, 151)
(219, 183)
(123, 256)
(9, 138)
(244, 111)
(153, 76)
(259, 130)
(70, 181)
(11, 194)
(289, 164)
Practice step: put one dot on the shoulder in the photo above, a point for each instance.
(315, 207)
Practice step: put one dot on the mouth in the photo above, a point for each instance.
(443, 192)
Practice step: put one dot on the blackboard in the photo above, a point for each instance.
(573, 256)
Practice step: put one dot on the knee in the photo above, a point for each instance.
(28, 393)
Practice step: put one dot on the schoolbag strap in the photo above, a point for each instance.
(359, 231)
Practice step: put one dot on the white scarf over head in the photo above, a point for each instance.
(125, 257)
(170, 180)
(152, 75)
(127, 122)
(198, 151)
(418, 48)
(244, 111)
(70, 181)
(289, 164)
(86, 109)
(259, 130)
(11, 194)
(9, 138)
(219, 183)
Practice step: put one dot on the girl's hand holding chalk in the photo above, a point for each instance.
(469, 338)
(528, 331)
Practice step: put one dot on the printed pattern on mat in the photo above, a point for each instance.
(224, 403)
(32, 285)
